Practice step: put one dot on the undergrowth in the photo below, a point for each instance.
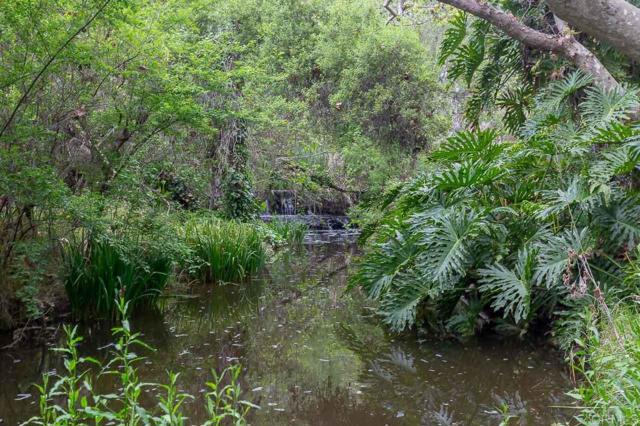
(509, 234)
(608, 361)
(137, 262)
(287, 232)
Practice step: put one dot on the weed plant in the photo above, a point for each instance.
(71, 397)
(609, 364)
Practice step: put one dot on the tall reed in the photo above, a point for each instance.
(225, 251)
(98, 271)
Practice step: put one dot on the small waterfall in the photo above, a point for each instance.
(283, 205)
(288, 207)
(282, 202)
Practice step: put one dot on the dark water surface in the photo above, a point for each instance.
(315, 356)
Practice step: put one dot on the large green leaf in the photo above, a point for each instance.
(447, 243)
(510, 290)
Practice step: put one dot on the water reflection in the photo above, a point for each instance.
(315, 356)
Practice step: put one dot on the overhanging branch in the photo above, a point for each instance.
(615, 22)
(564, 45)
(47, 64)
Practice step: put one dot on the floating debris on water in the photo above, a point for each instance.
(323, 356)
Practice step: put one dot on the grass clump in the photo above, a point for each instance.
(288, 232)
(224, 251)
(609, 363)
(99, 269)
(72, 398)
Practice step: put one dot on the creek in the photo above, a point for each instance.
(313, 354)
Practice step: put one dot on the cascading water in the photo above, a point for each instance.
(282, 205)
(288, 207)
(282, 202)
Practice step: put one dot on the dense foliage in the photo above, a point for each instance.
(225, 250)
(140, 139)
(98, 271)
(506, 232)
(529, 222)
(120, 115)
(504, 75)
(609, 362)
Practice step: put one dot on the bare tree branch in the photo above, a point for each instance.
(564, 45)
(399, 11)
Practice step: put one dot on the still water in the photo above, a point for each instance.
(315, 355)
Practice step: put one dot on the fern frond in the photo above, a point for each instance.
(557, 92)
(381, 267)
(559, 200)
(398, 307)
(502, 63)
(468, 59)
(615, 133)
(614, 163)
(602, 108)
(467, 175)
(470, 146)
(620, 222)
(515, 103)
(551, 104)
(573, 323)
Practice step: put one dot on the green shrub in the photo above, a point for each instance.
(224, 251)
(239, 202)
(513, 234)
(99, 270)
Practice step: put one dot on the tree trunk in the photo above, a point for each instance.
(585, 60)
(615, 22)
